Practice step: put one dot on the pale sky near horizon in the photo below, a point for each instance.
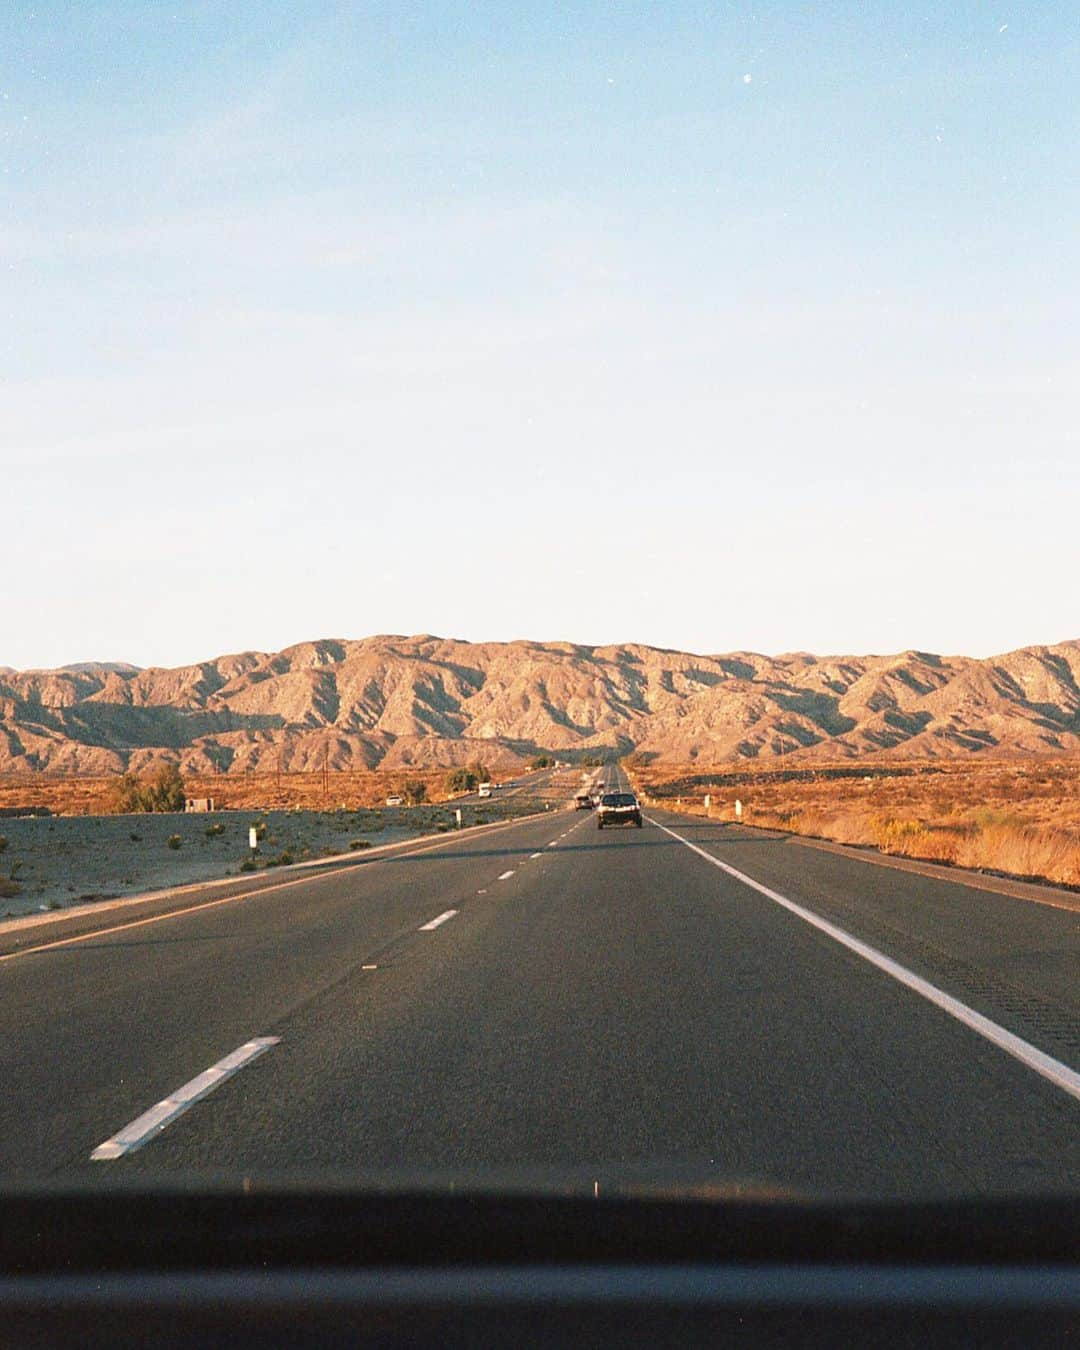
(714, 326)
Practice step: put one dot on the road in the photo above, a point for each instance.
(541, 997)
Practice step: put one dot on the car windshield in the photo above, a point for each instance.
(539, 639)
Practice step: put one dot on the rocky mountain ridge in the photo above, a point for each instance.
(395, 701)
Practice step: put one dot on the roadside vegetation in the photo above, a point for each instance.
(308, 791)
(164, 791)
(466, 779)
(1020, 818)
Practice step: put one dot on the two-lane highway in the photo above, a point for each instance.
(549, 996)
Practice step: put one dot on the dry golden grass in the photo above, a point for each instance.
(1017, 817)
(257, 792)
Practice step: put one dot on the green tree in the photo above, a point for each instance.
(415, 791)
(127, 794)
(164, 792)
(460, 780)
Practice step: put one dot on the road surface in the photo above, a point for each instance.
(540, 996)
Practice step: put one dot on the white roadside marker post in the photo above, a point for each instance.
(738, 809)
(253, 842)
(457, 815)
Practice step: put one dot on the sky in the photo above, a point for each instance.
(714, 326)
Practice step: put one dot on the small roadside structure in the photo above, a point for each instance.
(198, 805)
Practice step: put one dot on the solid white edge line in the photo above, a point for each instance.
(1068, 1080)
(439, 919)
(152, 1122)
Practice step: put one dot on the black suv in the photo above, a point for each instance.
(618, 808)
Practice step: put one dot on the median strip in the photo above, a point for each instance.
(331, 866)
(1068, 1080)
(152, 1122)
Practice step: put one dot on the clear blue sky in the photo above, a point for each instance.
(715, 326)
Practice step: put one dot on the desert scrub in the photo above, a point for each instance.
(212, 831)
(174, 841)
(1023, 851)
(3, 843)
(359, 843)
(895, 836)
(247, 865)
(9, 888)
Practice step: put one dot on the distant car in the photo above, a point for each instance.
(583, 802)
(395, 801)
(618, 808)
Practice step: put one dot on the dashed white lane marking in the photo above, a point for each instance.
(439, 919)
(507, 874)
(533, 855)
(369, 967)
(484, 892)
(152, 1122)
(407, 852)
(1049, 1068)
(554, 844)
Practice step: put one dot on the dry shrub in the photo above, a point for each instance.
(1023, 851)
(841, 826)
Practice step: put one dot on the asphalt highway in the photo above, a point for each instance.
(543, 998)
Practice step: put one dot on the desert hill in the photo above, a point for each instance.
(395, 701)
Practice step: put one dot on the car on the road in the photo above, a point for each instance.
(618, 808)
(583, 802)
(395, 801)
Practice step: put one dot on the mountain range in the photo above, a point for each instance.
(394, 702)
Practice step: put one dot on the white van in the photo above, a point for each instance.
(484, 790)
